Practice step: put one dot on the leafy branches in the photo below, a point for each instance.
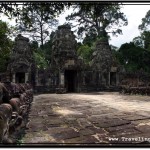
(5, 46)
(101, 17)
(145, 22)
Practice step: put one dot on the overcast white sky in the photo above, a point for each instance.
(134, 14)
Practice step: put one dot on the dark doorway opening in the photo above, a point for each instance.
(70, 80)
(113, 78)
(20, 77)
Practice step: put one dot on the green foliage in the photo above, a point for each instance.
(47, 49)
(146, 38)
(5, 46)
(133, 58)
(38, 19)
(145, 22)
(18, 9)
(42, 54)
(38, 55)
(34, 45)
(85, 52)
(90, 37)
(10, 9)
(40, 60)
(138, 41)
(143, 40)
(34, 18)
(145, 35)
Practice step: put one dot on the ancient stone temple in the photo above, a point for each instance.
(65, 61)
(21, 60)
(67, 72)
(104, 64)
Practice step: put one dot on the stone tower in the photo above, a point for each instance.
(64, 58)
(21, 60)
(102, 61)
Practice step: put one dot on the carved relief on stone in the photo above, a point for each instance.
(64, 46)
(102, 57)
(21, 56)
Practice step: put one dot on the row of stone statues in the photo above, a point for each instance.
(15, 101)
(136, 90)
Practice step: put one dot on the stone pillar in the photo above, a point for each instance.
(99, 78)
(14, 78)
(83, 81)
(78, 82)
(109, 79)
(62, 83)
(26, 77)
(103, 79)
(36, 78)
(117, 79)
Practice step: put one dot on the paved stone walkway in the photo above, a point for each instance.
(101, 118)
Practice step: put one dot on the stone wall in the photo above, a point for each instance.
(65, 64)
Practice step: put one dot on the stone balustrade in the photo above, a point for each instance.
(135, 90)
(15, 102)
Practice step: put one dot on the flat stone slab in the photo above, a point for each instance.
(82, 140)
(143, 128)
(87, 118)
(99, 131)
(118, 128)
(135, 117)
(70, 133)
(105, 123)
(130, 131)
(86, 132)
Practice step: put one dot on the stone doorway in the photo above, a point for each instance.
(113, 78)
(20, 77)
(70, 80)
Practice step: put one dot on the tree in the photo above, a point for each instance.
(47, 49)
(85, 52)
(14, 9)
(133, 58)
(40, 60)
(146, 38)
(100, 17)
(42, 54)
(145, 22)
(38, 21)
(34, 17)
(138, 41)
(5, 46)
(38, 55)
(90, 37)
(143, 40)
(10, 9)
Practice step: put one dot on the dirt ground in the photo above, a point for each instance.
(100, 118)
